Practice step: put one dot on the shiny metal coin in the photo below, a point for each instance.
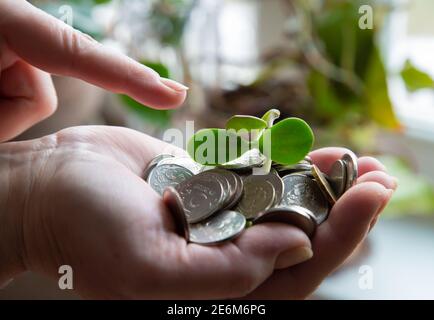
(229, 183)
(286, 169)
(338, 177)
(308, 159)
(258, 195)
(300, 190)
(250, 159)
(223, 226)
(324, 185)
(237, 184)
(352, 172)
(274, 178)
(167, 175)
(151, 165)
(173, 201)
(185, 162)
(294, 215)
(201, 195)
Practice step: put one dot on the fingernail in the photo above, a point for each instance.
(395, 182)
(381, 208)
(174, 85)
(292, 257)
(386, 201)
(391, 183)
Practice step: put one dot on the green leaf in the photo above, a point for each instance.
(270, 116)
(378, 103)
(101, 1)
(327, 103)
(160, 68)
(288, 141)
(160, 118)
(415, 79)
(247, 123)
(216, 146)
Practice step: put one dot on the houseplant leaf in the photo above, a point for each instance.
(415, 79)
(270, 116)
(287, 142)
(216, 146)
(248, 123)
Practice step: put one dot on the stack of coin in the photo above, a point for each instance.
(215, 204)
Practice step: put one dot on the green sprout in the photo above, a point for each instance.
(286, 142)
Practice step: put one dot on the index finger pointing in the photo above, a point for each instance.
(55, 47)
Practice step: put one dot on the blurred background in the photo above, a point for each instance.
(359, 72)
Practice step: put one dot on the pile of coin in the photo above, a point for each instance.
(215, 204)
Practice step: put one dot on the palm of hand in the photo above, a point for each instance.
(102, 219)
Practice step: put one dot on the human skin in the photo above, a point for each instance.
(77, 198)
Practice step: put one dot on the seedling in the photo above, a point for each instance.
(286, 142)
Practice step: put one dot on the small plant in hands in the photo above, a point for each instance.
(235, 186)
(286, 142)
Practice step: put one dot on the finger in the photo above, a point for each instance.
(334, 241)
(235, 268)
(367, 164)
(325, 157)
(381, 177)
(27, 96)
(55, 47)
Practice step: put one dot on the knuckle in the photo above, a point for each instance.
(75, 45)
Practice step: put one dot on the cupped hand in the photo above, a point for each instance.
(34, 44)
(86, 206)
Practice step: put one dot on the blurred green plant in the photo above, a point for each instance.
(160, 118)
(415, 79)
(329, 72)
(168, 18)
(414, 196)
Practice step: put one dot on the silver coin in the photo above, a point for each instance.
(173, 201)
(352, 173)
(238, 191)
(324, 185)
(338, 177)
(308, 159)
(301, 166)
(229, 183)
(235, 186)
(300, 190)
(167, 175)
(223, 226)
(201, 195)
(151, 165)
(293, 215)
(250, 159)
(185, 162)
(258, 195)
(274, 178)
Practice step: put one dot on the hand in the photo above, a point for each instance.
(33, 43)
(84, 204)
